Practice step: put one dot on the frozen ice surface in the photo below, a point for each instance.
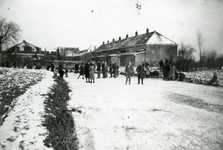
(119, 116)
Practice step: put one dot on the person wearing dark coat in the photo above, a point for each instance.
(76, 68)
(82, 71)
(214, 79)
(52, 67)
(141, 73)
(87, 71)
(104, 69)
(99, 69)
(61, 71)
(115, 70)
(161, 64)
(111, 69)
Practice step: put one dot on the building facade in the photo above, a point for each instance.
(149, 47)
(22, 54)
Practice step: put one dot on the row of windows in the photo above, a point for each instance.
(26, 49)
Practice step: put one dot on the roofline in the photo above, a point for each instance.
(166, 37)
(24, 42)
(119, 48)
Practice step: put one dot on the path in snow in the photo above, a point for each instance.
(23, 127)
(149, 116)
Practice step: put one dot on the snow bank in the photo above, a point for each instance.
(23, 128)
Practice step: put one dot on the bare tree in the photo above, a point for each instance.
(186, 57)
(200, 42)
(9, 32)
(210, 56)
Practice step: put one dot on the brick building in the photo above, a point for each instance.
(149, 47)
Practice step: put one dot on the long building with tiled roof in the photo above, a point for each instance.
(149, 47)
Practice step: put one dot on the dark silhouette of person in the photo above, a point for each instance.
(141, 73)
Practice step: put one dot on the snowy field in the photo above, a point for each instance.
(22, 128)
(159, 115)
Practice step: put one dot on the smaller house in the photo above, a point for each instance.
(23, 53)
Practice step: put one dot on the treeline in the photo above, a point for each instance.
(186, 60)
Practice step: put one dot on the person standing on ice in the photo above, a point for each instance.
(111, 69)
(141, 71)
(82, 71)
(104, 70)
(66, 70)
(91, 72)
(128, 72)
(147, 70)
(87, 71)
(99, 69)
(115, 70)
(60, 70)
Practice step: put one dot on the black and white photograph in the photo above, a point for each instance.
(111, 74)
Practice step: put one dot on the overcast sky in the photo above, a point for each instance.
(84, 23)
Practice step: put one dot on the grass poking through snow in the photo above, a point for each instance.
(58, 119)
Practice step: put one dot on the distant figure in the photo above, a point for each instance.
(115, 70)
(161, 64)
(165, 71)
(181, 76)
(87, 71)
(66, 70)
(99, 69)
(14, 64)
(52, 67)
(76, 68)
(128, 72)
(91, 73)
(82, 71)
(147, 70)
(214, 79)
(173, 72)
(111, 69)
(61, 71)
(104, 70)
(141, 71)
(48, 66)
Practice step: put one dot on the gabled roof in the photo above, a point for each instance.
(142, 39)
(24, 42)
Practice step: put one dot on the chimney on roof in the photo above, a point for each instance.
(108, 41)
(119, 38)
(147, 30)
(113, 40)
(103, 43)
(136, 33)
(127, 36)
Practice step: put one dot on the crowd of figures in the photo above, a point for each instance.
(88, 70)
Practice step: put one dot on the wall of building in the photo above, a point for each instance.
(154, 53)
(140, 57)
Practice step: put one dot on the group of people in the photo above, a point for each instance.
(143, 71)
(88, 70)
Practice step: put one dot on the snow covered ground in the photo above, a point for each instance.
(159, 115)
(23, 129)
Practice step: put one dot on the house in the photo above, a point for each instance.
(23, 52)
(149, 47)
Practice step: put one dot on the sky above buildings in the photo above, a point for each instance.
(84, 23)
